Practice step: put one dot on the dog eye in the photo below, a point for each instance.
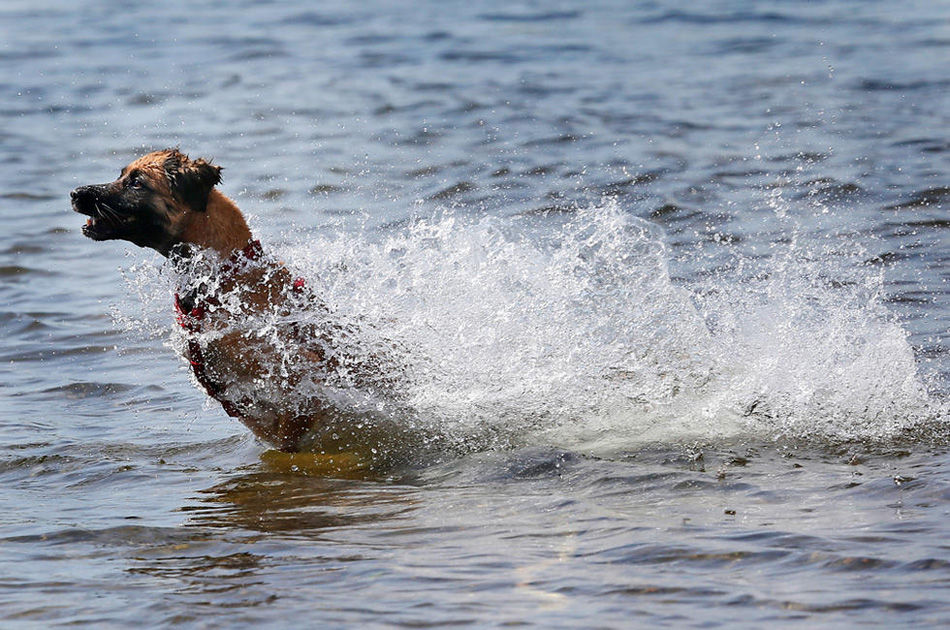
(134, 181)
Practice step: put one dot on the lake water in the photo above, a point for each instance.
(670, 283)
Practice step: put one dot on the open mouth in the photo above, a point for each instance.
(104, 222)
(94, 229)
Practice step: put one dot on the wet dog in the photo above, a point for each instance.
(168, 202)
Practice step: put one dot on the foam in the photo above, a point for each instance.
(497, 332)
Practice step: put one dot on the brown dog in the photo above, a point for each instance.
(168, 202)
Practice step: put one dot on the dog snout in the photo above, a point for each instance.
(85, 192)
(84, 198)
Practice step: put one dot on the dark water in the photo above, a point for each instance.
(686, 266)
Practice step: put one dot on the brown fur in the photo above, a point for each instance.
(221, 227)
(216, 222)
(166, 201)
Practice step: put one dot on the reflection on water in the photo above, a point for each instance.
(527, 529)
(243, 529)
(295, 499)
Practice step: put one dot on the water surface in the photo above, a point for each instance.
(669, 282)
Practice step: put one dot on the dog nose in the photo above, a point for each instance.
(82, 193)
(82, 196)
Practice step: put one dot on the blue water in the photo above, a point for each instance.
(669, 281)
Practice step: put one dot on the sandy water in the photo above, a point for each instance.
(670, 285)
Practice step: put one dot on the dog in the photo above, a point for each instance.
(168, 202)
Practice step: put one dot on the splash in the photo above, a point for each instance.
(498, 332)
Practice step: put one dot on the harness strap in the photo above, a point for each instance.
(191, 319)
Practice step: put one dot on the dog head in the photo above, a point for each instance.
(151, 201)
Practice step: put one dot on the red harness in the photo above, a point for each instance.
(191, 322)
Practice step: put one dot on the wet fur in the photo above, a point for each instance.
(168, 202)
(163, 199)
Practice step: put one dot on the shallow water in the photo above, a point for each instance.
(668, 285)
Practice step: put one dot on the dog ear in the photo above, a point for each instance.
(191, 181)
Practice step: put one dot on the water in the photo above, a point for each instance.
(667, 285)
